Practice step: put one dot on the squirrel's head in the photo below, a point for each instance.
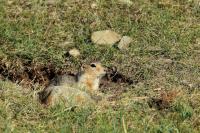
(94, 69)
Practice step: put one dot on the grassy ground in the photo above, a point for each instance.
(163, 58)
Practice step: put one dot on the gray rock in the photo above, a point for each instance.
(105, 37)
(74, 52)
(94, 5)
(124, 42)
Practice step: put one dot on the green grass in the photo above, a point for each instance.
(164, 54)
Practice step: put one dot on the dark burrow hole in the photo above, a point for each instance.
(31, 73)
(116, 83)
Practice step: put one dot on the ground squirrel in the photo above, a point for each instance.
(74, 90)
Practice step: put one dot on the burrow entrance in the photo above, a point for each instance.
(28, 73)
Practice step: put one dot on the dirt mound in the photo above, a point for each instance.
(164, 101)
(27, 73)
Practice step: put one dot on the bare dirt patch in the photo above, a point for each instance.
(164, 100)
(29, 73)
(116, 83)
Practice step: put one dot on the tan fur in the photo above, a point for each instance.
(49, 100)
(80, 99)
(90, 78)
(80, 92)
(89, 86)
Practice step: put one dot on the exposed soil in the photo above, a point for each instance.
(164, 100)
(28, 73)
(116, 83)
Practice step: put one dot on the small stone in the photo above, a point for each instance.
(127, 2)
(157, 89)
(74, 52)
(105, 37)
(125, 42)
(94, 5)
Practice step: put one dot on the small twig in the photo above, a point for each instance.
(47, 30)
(140, 98)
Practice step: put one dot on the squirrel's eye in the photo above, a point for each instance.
(93, 65)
